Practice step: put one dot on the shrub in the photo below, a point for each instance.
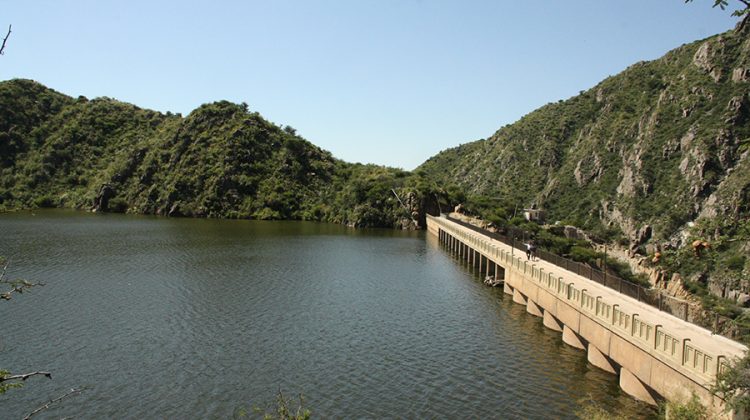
(118, 205)
(736, 262)
(44, 201)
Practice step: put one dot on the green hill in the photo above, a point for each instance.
(220, 161)
(654, 157)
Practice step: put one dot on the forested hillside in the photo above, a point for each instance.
(654, 157)
(220, 161)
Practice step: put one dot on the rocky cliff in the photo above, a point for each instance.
(657, 156)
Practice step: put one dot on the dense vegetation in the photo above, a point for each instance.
(220, 161)
(653, 158)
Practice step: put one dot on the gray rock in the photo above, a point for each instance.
(101, 202)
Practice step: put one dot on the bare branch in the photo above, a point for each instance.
(16, 286)
(2, 47)
(24, 376)
(5, 268)
(46, 406)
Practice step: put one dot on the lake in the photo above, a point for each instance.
(194, 318)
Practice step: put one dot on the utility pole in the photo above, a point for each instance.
(605, 267)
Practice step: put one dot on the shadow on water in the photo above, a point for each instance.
(191, 318)
(592, 385)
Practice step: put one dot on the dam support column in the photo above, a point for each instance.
(519, 298)
(635, 388)
(551, 322)
(572, 339)
(598, 359)
(534, 309)
(507, 289)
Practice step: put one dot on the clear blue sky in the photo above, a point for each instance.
(387, 82)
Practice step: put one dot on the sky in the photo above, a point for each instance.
(389, 82)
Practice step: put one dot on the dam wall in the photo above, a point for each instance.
(655, 355)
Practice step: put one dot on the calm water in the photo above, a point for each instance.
(185, 318)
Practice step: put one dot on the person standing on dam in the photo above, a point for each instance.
(531, 251)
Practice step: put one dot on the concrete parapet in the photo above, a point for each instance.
(570, 338)
(657, 354)
(630, 357)
(568, 315)
(547, 301)
(595, 334)
(635, 388)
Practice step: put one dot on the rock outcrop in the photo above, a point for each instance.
(101, 202)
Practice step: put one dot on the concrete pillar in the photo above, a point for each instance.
(551, 322)
(507, 289)
(518, 297)
(533, 308)
(572, 339)
(635, 388)
(598, 359)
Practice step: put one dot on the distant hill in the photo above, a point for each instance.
(220, 161)
(643, 156)
(653, 158)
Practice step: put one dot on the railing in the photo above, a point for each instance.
(681, 352)
(665, 303)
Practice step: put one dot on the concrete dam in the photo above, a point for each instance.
(656, 355)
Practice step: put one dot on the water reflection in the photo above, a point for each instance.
(185, 318)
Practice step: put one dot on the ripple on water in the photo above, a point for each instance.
(194, 318)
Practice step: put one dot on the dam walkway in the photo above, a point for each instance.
(656, 355)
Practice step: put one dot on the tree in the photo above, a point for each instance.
(7, 289)
(9, 380)
(2, 47)
(733, 385)
(741, 12)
